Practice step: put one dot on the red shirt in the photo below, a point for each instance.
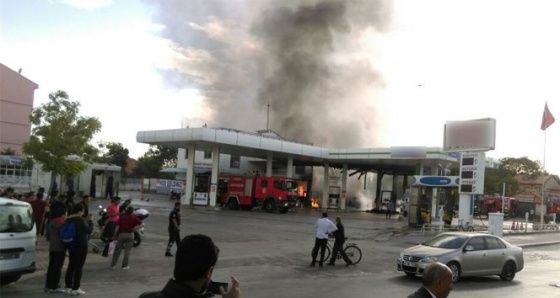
(113, 208)
(38, 207)
(127, 222)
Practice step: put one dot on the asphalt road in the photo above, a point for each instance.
(270, 254)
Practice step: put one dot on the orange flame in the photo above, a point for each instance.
(314, 203)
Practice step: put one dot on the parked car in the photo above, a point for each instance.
(466, 254)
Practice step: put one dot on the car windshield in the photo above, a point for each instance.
(16, 218)
(446, 241)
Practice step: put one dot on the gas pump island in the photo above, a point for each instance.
(471, 139)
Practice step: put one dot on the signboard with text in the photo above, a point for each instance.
(471, 178)
(471, 135)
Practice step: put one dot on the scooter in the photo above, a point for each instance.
(103, 219)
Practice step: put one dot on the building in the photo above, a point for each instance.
(16, 103)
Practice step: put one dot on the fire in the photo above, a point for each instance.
(314, 203)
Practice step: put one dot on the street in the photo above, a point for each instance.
(270, 256)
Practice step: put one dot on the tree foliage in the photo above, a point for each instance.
(154, 160)
(494, 180)
(58, 131)
(114, 153)
(522, 165)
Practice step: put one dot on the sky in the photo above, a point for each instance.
(339, 74)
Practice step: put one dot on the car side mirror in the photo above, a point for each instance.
(468, 248)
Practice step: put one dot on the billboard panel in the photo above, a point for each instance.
(470, 135)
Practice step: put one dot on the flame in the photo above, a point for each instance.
(314, 203)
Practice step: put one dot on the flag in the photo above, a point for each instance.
(547, 118)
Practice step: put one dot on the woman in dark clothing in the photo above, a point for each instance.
(78, 251)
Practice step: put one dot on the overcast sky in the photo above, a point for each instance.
(339, 74)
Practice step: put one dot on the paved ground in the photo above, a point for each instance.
(254, 246)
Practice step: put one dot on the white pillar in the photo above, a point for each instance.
(343, 187)
(325, 203)
(215, 173)
(189, 183)
(290, 167)
(269, 164)
(434, 209)
(466, 205)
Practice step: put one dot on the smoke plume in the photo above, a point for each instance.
(309, 62)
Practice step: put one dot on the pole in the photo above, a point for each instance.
(542, 187)
(503, 196)
(267, 113)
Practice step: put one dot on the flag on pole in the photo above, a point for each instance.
(547, 118)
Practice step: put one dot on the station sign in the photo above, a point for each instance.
(435, 181)
(471, 171)
(469, 136)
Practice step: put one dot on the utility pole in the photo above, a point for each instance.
(267, 114)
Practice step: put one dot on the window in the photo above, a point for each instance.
(207, 154)
(264, 183)
(494, 243)
(278, 185)
(477, 243)
(186, 153)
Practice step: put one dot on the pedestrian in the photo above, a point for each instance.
(109, 188)
(323, 227)
(122, 207)
(124, 235)
(77, 253)
(85, 202)
(38, 205)
(532, 214)
(195, 260)
(389, 210)
(174, 228)
(57, 254)
(8, 193)
(437, 282)
(30, 196)
(338, 246)
(112, 221)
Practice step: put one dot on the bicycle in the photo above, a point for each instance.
(467, 227)
(352, 250)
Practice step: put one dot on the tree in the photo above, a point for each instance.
(58, 132)
(156, 158)
(114, 153)
(494, 180)
(522, 165)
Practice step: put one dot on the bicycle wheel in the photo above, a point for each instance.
(327, 253)
(470, 229)
(354, 253)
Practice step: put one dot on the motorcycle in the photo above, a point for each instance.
(102, 225)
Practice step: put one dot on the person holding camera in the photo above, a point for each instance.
(192, 276)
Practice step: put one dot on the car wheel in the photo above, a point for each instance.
(456, 270)
(508, 272)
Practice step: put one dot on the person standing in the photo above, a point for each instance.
(437, 282)
(57, 254)
(109, 188)
(173, 228)
(113, 220)
(323, 227)
(195, 262)
(77, 252)
(389, 210)
(85, 202)
(124, 234)
(339, 239)
(38, 205)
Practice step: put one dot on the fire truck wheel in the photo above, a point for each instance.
(269, 206)
(233, 204)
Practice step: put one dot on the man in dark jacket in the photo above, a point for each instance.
(57, 254)
(338, 246)
(77, 253)
(194, 263)
(437, 281)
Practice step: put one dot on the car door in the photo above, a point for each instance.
(496, 251)
(474, 262)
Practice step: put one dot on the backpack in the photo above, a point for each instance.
(68, 234)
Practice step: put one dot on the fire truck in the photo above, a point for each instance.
(553, 207)
(494, 204)
(271, 193)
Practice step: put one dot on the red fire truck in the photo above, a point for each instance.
(553, 207)
(493, 204)
(272, 193)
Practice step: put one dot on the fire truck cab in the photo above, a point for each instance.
(271, 193)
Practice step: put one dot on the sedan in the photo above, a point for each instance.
(466, 254)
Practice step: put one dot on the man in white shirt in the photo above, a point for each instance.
(323, 227)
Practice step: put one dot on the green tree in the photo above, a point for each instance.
(154, 160)
(58, 133)
(522, 165)
(494, 180)
(114, 153)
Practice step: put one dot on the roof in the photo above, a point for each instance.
(399, 160)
